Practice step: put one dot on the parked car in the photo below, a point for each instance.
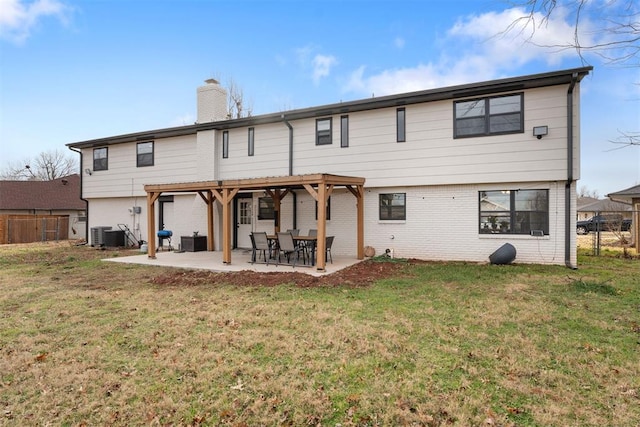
(611, 222)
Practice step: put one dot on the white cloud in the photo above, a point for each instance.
(399, 42)
(18, 17)
(322, 66)
(479, 47)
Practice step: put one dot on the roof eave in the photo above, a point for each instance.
(452, 92)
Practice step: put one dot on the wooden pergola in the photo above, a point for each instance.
(319, 186)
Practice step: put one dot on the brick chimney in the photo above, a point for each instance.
(212, 102)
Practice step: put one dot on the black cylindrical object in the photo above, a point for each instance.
(505, 254)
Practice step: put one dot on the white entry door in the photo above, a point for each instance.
(245, 220)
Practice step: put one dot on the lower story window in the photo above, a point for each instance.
(514, 211)
(266, 208)
(393, 206)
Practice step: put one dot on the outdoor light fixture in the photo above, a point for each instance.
(540, 131)
(87, 171)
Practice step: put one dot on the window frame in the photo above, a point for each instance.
(487, 116)
(344, 131)
(515, 220)
(386, 211)
(251, 141)
(401, 124)
(140, 162)
(266, 208)
(324, 136)
(225, 144)
(328, 212)
(101, 163)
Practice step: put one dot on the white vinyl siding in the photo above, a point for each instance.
(175, 162)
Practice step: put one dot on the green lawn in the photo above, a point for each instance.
(84, 342)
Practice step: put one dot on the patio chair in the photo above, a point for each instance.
(288, 248)
(260, 243)
(294, 231)
(329, 243)
(309, 245)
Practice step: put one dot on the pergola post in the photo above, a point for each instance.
(321, 246)
(151, 223)
(360, 221)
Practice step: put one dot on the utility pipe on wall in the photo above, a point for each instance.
(86, 202)
(286, 122)
(567, 187)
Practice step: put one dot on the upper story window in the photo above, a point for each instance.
(393, 206)
(323, 131)
(401, 125)
(489, 116)
(100, 159)
(225, 144)
(144, 151)
(514, 211)
(344, 131)
(265, 208)
(250, 141)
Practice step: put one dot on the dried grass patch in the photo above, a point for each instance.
(94, 343)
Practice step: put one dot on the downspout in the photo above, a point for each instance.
(295, 198)
(286, 122)
(567, 187)
(86, 202)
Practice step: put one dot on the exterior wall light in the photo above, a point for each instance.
(87, 171)
(540, 131)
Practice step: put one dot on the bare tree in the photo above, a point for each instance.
(617, 29)
(626, 139)
(615, 34)
(46, 166)
(585, 192)
(236, 104)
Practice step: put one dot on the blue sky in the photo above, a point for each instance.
(74, 70)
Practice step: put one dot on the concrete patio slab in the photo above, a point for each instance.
(240, 260)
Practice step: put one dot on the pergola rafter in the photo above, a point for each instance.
(319, 186)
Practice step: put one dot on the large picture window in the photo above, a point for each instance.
(514, 211)
(144, 152)
(323, 131)
(489, 116)
(100, 159)
(393, 206)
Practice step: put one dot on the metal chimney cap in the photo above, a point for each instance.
(212, 82)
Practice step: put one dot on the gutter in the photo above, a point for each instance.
(86, 202)
(567, 188)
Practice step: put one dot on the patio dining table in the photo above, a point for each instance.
(309, 241)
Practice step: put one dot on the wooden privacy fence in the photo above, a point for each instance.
(33, 228)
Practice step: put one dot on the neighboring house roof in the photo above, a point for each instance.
(585, 201)
(604, 205)
(453, 92)
(58, 194)
(626, 195)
